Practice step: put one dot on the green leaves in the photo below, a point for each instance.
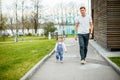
(49, 28)
(3, 23)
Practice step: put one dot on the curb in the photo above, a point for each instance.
(29, 74)
(113, 65)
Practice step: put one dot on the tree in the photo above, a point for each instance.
(49, 28)
(1, 16)
(3, 23)
(11, 26)
(16, 36)
(22, 16)
(36, 4)
(3, 27)
(27, 23)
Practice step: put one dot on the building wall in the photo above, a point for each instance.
(113, 23)
(106, 17)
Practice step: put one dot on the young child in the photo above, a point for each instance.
(59, 49)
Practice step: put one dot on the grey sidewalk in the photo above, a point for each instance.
(95, 69)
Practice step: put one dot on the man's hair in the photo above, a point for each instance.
(82, 7)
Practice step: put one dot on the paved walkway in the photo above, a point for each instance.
(95, 69)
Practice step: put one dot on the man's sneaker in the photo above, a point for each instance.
(85, 62)
(82, 62)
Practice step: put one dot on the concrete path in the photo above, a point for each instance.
(95, 69)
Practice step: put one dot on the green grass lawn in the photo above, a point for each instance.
(116, 60)
(25, 38)
(18, 58)
(70, 36)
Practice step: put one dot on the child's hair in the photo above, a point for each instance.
(60, 37)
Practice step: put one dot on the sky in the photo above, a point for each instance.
(47, 6)
(47, 2)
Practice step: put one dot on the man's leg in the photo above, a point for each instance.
(81, 46)
(86, 40)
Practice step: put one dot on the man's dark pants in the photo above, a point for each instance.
(83, 45)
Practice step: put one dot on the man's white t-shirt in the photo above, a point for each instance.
(84, 24)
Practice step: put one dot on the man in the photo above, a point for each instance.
(84, 29)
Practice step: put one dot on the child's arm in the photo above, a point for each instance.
(64, 46)
(56, 47)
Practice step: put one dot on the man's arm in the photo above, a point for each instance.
(76, 29)
(91, 29)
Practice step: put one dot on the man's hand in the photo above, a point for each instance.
(90, 36)
(76, 38)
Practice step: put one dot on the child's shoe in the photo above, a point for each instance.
(57, 61)
(61, 61)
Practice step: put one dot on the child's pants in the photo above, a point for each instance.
(59, 55)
